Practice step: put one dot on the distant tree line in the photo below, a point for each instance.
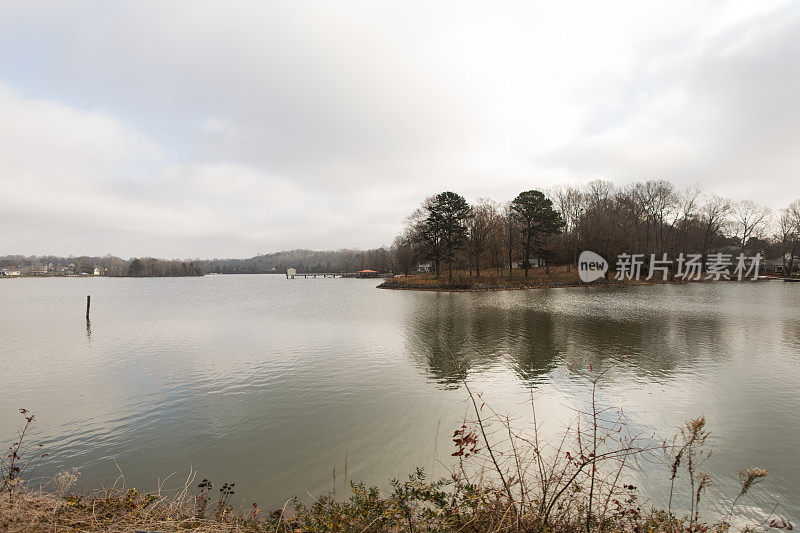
(150, 267)
(108, 265)
(336, 261)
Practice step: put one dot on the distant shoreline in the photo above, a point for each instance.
(92, 276)
(444, 287)
(538, 278)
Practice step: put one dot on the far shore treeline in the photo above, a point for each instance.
(546, 227)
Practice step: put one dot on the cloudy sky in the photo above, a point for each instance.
(225, 129)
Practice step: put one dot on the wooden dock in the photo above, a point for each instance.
(322, 275)
(293, 274)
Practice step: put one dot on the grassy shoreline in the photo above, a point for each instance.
(538, 278)
(461, 502)
(415, 505)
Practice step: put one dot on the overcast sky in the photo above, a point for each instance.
(225, 129)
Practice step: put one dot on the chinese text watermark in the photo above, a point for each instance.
(686, 267)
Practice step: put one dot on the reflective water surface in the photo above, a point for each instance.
(272, 383)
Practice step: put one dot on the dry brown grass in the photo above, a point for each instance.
(491, 279)
(54, 507)
(112, 510)
(494, 279)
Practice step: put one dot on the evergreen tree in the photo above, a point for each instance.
(537, 218)
(445, 226)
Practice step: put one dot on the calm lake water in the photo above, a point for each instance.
(271, 383)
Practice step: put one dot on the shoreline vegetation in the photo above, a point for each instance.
(504, 477)
(538, 278)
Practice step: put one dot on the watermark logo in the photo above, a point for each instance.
(685, 267)
(591, 266)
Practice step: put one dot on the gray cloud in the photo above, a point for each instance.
(191, 129)
(725, 114)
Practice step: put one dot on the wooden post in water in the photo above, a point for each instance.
(88, 304)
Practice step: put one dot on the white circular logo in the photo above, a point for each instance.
(591, 266)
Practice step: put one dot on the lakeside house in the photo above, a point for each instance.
(291, 273)
(37, 270)
(49, 270)
(532, 263)
(366, 273)
(776, 266)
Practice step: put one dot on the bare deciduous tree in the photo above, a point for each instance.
(749, 220)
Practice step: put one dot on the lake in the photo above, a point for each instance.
(274, 383)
